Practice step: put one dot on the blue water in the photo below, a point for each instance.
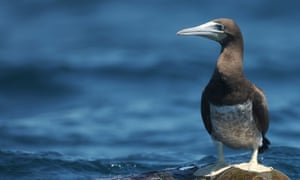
(105, 88)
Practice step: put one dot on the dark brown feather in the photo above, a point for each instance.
(261, 115)
(228, 86)
(205, 113)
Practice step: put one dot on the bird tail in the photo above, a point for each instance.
(265, 145)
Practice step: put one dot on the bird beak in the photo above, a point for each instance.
(211, 30)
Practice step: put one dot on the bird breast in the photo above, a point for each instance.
(234, 126)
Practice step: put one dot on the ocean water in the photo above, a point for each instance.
(103, 89)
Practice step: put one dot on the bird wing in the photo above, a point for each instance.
(205, 113)
(260, 111)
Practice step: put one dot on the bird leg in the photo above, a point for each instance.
(253, 164)
(253, 161)
(213, 169)
(221, 159)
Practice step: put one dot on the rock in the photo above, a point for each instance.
(236, 173)
(183, 173)
(240, 171)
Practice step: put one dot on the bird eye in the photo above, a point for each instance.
(219, 27)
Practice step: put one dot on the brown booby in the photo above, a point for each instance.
(234, 110)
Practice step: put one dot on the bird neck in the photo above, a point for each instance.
(230, 62)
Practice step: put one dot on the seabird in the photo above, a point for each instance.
(234, 111)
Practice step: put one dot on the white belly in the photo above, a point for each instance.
(234, 126)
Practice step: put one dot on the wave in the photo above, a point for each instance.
(53, 165)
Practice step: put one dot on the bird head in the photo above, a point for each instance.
(218, 30)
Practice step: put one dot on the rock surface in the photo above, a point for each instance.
(231, 173)
(236, 173)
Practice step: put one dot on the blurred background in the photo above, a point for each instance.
(95, 80)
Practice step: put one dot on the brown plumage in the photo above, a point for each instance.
(228, 85)
(229, 91)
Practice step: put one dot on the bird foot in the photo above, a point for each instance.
(254, 167)
(212, 169)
